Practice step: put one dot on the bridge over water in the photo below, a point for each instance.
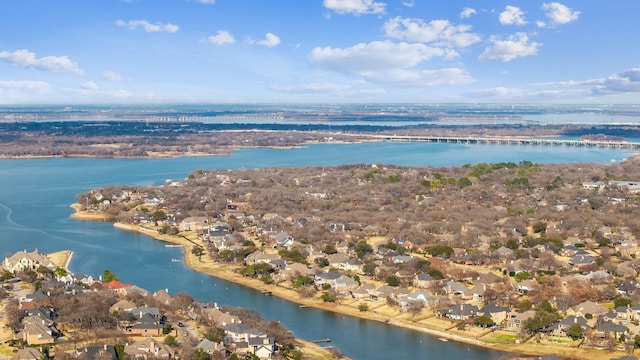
(513, 141)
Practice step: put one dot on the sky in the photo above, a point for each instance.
(319, 51)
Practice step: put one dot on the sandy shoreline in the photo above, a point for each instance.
(378, 311)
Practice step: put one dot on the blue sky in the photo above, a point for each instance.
(318, 51)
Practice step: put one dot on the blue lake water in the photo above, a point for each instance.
(35, 195)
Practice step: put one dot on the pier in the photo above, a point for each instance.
(473, 140)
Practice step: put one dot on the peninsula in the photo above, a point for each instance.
(523, 257)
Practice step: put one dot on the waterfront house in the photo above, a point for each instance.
(515, 321)
(343, 284)
(236, 332)
(262, 347)
(498, 314)
(23, 260)
(560, 328)
(462, 312)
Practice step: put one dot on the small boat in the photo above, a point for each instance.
(266, 293)
(175, 260)
(172, 245)
(443, 339)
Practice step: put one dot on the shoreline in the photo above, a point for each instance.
(427, 325)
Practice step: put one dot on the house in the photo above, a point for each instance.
(569, 250)
(139, 312)
(582, 260)
(283, 240)
(587, 307)
(122, 306)
(402, 259)
(421, 297)
(28, 353)
(337, 226)
(117, 287)
(354, 265)
(258, 256)
(560, 328)
(105, 352)
(498, 314)
(504, 252)
(515, 322)
(462, 312)
(194, 223)
(452, 287)
(526, 285)
(422, 280)
(236, 332)
(149, 349)
(212, 348)
(606, 329)
(23, 260)
(336, 260)
(36, 332)
(262, 347)
(343, 284)
(147, 325)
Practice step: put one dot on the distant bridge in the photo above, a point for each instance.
(473, 140)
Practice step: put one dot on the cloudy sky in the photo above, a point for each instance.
(297, 51)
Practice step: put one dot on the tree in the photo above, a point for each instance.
(539, 227)
(621, 301)
(362, 248)
(170, 340)
(392, 280)
(301, 280)
(330, 249)
(167, 329)
(363, 307)
(483, 321)
(442, 251)
(575, 331)
(200, 354)
(198, 251)
(328, 296)
(107, 276)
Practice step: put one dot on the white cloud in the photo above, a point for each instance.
(271, 40)
(512, 15)
(467, 12)
(389, 63)
(111, 76)
(514, 46)
(36, 86)
(418, 78)
(206, 1)
(222, 37)
(439, 32)
(627, 81)
(147, 26)
(355, 7)
(312, 88)
(409, 4)
(26, 58)
(558, 14)
(89, 85)
(376, 55)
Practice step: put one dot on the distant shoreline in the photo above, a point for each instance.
(221, 271)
